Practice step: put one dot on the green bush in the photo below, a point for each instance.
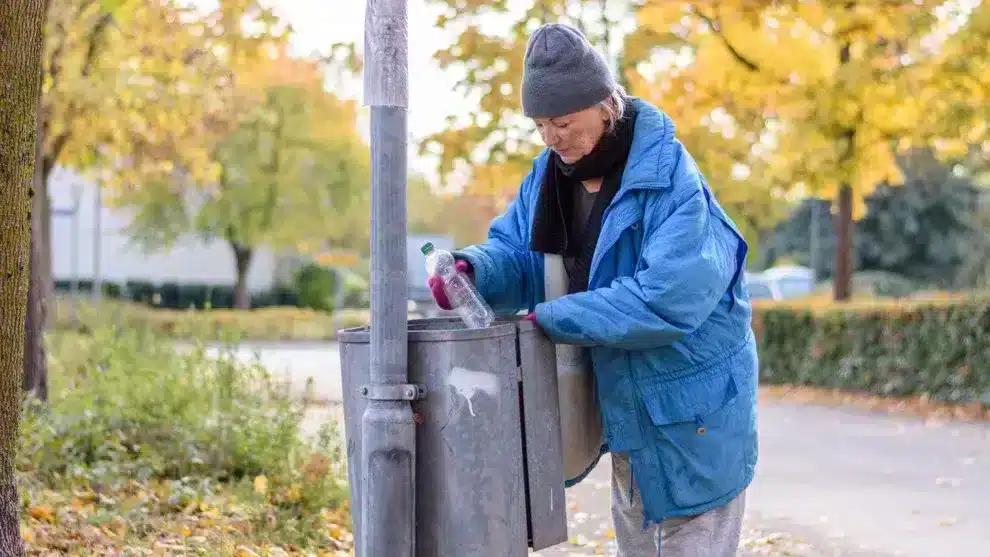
(317, 287)
(140, 291)
(193, 296)
(278, 296)
(126, 406)
(169, 295)
(356, 291)
(112, 289)
(932, 348)
(221, 297)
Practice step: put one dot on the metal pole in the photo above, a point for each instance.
(813, 247)
(388, 453)
(815, 241)
(97, 241)
(77, 196)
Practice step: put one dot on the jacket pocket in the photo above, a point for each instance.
(703, 434)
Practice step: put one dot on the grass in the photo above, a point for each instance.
(143, 450)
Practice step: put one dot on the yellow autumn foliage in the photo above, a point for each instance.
(837, 85)
(135, 90)
(776, 99)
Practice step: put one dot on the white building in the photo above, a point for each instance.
(190, 261)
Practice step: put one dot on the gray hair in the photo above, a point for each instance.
(614, 106)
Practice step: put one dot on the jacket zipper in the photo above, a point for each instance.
(606, 244)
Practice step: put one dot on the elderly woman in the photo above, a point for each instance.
(654, 295)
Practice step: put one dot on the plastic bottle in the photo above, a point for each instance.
(463, 296)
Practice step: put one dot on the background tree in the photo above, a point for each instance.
(775, 99)
(465, 217)
(293, 174)
(496, 143)
(975, 270)
(85, 84)
(131, 91)
(806, 237)
(922, 230)
(840, 86)
(21, 28)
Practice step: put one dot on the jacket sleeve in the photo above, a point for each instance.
(687, 265)
(501, 264)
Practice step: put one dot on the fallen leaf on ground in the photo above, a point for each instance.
(261, 484)
(42, 513)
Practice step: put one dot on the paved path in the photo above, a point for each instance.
(297, 362)
(836, 482)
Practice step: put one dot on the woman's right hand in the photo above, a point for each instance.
(435, 284)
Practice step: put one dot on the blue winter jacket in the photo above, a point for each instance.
(666, 318)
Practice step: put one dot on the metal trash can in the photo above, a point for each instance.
(489, 461)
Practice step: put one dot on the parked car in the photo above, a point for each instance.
(781, 283)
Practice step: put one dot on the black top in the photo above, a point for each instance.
(584, 202)
(567, 219)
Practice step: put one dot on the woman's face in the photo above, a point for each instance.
(574, 135)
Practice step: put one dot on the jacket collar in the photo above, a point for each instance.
(653, 152)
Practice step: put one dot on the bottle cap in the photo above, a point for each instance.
(427, 248)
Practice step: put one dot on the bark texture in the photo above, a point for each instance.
(21, 40)
(842, 289)
(242, 259)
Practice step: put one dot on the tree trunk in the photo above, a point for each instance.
(842, 281)
(242, 259)
(35, 360)
(21, 40)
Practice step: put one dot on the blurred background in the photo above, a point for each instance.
(204, 178)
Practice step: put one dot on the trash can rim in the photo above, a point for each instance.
(504, 326)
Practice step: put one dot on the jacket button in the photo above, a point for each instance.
(702, 430)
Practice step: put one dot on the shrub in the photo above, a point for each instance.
(280, 295)
(127, 406)
(112, 290)
(222, 297)
(168, 295)
(193, 296)
(140, 291)
(925, 347)
(109, 289)
(317, 287)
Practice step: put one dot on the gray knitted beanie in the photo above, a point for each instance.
(563, 73)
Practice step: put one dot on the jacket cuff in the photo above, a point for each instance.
(544, 318)
(482, 268)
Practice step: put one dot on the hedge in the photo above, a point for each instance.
(262, 324)
(173, 295)
(938, 349)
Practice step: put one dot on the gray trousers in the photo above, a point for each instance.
(715, 533)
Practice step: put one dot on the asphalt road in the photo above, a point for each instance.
(830, 482)
(837, 482)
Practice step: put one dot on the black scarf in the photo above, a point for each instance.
(552, 232)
